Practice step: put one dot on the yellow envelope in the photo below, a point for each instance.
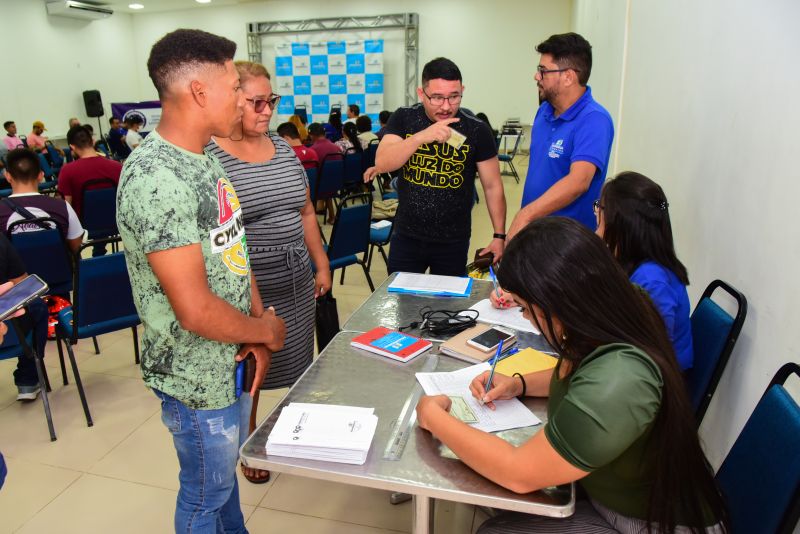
(526, 361)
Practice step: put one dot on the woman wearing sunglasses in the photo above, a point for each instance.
(282, 233)
(620, 422)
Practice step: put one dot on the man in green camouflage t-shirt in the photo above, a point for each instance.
(181, 224)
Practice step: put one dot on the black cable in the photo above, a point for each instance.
(439, 322)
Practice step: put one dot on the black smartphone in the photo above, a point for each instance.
(20, 295)
(488, 340)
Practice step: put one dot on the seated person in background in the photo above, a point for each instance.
(383, 120)
(10, 140)
(12, 271)
(301, 128)
(306, 155)
(116, 141)
(620, 421)
(349, 139)
(87, 166)
(364, 128)
(333, 128)
(36, 140)
(24, 174)
(324, 148)
(132, 138)
(74, 122)
(353, 112)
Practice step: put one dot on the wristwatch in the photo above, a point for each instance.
(499, 236)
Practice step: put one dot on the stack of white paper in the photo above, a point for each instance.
(510, 317)
(507, 414)
(431, 284)
(323, 432)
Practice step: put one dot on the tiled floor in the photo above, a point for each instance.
(121, 475)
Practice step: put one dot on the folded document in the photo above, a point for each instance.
(323, 432)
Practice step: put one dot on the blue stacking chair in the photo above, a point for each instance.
(50, 174)
(379, 239)
(331, 177)
(369, 154)
(55, 158)
(99, 208)
(44, 253)
(312, 173)
(301, 111)
(508, 157)
(350, 235)
(12, 348)
(714, 334)
(353, 172)
(103, 303)
(760, 477)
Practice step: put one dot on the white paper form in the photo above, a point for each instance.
(510, 317)
(430, 283)
(507, 414)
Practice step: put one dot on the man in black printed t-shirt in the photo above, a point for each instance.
(436, 187)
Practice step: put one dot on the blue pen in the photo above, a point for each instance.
(494, 364)
(239, 378)
(494, 282)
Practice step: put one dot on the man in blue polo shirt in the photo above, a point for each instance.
(570, 139)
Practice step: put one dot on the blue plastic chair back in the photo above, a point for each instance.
(44, 254)
(714, 334)
(353, 167)
(313, 174)
(103, 296)
(350, 234)
(99, 208)
(55, 157)
(48, 171)
(369, 154)
(331, 176)
(760, 477)
(301, 111)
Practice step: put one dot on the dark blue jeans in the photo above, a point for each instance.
(411, 255)
(207, 443)
(35, 318)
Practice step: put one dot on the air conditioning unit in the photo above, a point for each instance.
(78, 10)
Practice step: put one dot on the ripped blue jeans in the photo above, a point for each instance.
(207, 443)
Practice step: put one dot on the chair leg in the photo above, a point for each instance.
(385, 258)
(135, 345)
(61, 359)
(514, 170)
(366, 273)
(81, 393)
(369, 255)
(40, 370)
(341, 277)
(96, 346)
(46, 379)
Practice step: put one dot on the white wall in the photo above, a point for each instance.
(708, 111)
(491, 42)
(47, 63)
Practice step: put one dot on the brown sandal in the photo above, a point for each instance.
(257, 478)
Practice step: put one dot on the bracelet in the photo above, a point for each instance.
(524, 386)
(499, 236)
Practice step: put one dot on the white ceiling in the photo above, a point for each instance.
(152, 6)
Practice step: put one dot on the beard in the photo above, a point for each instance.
(546, 95)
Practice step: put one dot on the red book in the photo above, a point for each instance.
(391, 343)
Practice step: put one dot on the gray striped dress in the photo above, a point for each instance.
(272, 193)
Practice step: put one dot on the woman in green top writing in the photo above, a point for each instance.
(620, 423)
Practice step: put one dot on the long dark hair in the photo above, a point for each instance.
(351, 133)
(335, 120)
(569, 273)
(637, 226)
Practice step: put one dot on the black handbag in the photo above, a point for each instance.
(327, 320)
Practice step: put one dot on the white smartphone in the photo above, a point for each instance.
(488, 341)
(31, 287)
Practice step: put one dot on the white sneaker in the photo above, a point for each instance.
(28, 393)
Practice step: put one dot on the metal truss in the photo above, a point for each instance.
(408, 22)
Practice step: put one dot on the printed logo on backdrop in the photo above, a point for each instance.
(149, 112)
(329, 73)
(556, 149)
(138, 114)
